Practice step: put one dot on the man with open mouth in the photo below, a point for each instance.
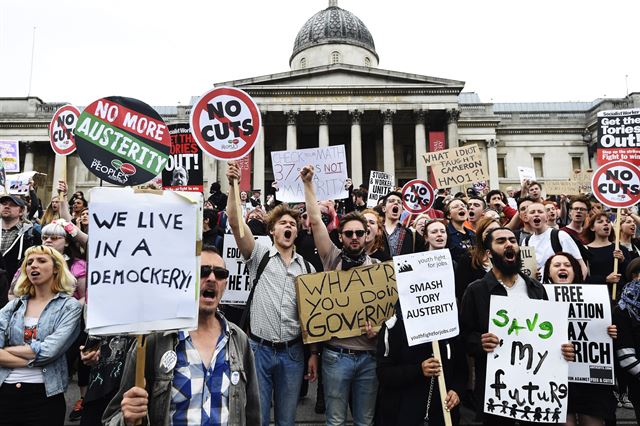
(476, 206)
(504, 279)
(398, 239)
(274, 325)
(547, 241)
(203, 376)
(348, 364)
(578, 211)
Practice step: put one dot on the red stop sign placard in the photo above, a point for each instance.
(617, 184)
(417, 196)
(63, 141)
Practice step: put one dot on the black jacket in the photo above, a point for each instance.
(403, 390)
(474, 318)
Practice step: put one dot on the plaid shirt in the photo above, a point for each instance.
(9, 236)
(200, 394)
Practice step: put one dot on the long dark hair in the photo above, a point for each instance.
(577, 271)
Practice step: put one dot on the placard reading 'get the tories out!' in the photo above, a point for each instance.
(122, 140)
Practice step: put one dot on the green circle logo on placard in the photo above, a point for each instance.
(122, 140)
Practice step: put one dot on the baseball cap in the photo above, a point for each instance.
(16, 199)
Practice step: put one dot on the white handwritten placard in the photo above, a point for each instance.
(380, 184)
(329, 178)
(526, 374)
(426, 289)
(143, 267)
(589, 317)
(239, 283)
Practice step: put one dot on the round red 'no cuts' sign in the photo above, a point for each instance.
(417, 196)
(225, 123)
(617, 184)
(61, 127)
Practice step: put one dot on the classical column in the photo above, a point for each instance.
(323, 129)
(258, 161)
(421, 144)
(356, 148)
(492, 156)
(388, 156)
(292, 131)
(28, 157)
(452, 128)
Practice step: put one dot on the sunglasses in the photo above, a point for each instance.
(359, 233)
(220, 273)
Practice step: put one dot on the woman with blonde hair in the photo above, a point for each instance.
(36, 329)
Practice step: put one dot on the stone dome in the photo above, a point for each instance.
(333, 25)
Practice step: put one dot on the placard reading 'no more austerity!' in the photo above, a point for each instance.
(122, 140)
(339, 303)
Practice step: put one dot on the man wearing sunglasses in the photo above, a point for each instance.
(204, 376)
(348, 364)
(275, 333)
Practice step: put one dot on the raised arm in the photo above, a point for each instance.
(320, 233)
(247, 242)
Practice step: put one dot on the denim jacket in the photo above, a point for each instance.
(58, 327)
(244, 399)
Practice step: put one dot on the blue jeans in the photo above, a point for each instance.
(343, 374)
(279, 374)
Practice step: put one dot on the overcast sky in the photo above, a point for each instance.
(164, 52)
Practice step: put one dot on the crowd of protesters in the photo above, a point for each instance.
(242, 361)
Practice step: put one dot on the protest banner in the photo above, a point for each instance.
(457, 166)
(437, 142)
(61, 129)
(583, 178)
(225, 122)
(428, 304)
(526, 374)
(526, 173)
(245, 170)
(239, 284)
(618, 136)
(329, 178)
(122, 141)
(529, 262)
(183, 171)
(561, 187)
(339, 303)
(417, 196)
(143, 260)
(589, 317)
(380, 184)
(19, 183)
(4, 187)
(10, 155)
(617, 184)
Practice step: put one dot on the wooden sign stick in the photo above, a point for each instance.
(236, 190)
(441, 384)
(140, 360)
(63, 176)
(617, 247)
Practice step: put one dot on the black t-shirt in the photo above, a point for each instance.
(104, 378)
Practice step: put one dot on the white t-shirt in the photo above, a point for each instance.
(26, 374)
(518, 289)
(544, 250)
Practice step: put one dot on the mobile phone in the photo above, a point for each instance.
(92, 343)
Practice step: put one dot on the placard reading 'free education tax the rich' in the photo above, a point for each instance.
(122, 140)
(239, 283)
(526, 376)
(143, 263)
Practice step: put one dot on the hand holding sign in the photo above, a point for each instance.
(233, 174)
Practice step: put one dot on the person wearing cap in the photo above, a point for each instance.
(204, 376)
(626, 316)
(17, 235)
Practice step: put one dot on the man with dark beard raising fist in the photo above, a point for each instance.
(504, 279)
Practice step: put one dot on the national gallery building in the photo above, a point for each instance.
(335, 94)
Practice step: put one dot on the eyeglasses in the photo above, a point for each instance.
(220, 273)
(52, 237)
(359, 233)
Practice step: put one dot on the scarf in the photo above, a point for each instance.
(630, 299)
(349, 262)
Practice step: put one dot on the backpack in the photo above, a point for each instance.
(557, 247)
(263, 264)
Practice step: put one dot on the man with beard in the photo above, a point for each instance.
(461, 239)
(476, 206)
(548, 241)
(348, 364)
(504, 279)
(275, 334)
(204, 376)
(578, 210)
(398, 239)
